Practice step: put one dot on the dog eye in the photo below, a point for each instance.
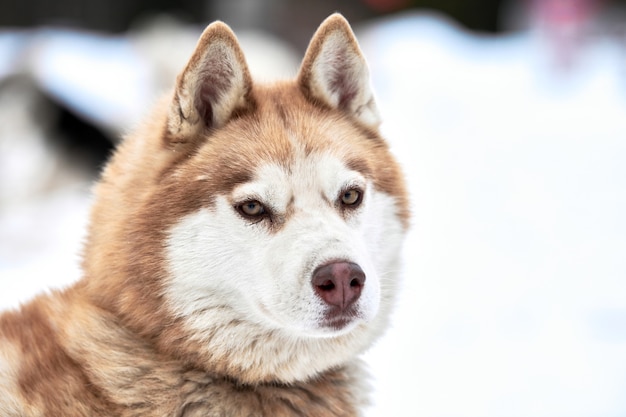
(351, 197)
(251, 209)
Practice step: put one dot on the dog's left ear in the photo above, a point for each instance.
(335, 73)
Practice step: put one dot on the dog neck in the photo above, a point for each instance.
(87, 346)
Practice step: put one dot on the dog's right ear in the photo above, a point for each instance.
(214, 85)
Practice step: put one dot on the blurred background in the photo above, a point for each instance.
(509, 117)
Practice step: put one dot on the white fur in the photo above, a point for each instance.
(225, 269)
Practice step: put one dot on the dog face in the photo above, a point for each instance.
(259, 234)
(260, 246)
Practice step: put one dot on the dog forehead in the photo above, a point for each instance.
(282, 142)
(304, 175)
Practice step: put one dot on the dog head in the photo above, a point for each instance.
(251, 229)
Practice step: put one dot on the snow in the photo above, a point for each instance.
(514, 294)
(515, 285)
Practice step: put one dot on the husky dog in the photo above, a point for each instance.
(242, 252)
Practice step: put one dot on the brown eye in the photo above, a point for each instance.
(351, 197)
(251, 209)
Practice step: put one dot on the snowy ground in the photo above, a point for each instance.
(515, 287)
(514, 300)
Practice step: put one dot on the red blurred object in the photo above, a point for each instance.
(566, 24)
(560, 13)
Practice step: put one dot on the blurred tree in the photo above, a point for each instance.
(278, 16)
(115, 16)
(103, 15)
(481, 15)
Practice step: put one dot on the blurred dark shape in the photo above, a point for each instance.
(479, 15)
(288, 19)
(386, 6)
(99, 15)
(285, 18)
(64, 132)
(81, 139)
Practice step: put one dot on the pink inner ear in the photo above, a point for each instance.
(341, 80)
(215, 78)
(342, 71)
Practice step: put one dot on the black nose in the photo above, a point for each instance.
(339, 284)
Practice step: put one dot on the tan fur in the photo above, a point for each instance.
(111, 345)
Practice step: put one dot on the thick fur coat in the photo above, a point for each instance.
(243, 250)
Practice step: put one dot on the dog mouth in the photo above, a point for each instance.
(338, 319)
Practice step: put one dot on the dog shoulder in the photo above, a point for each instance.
(12, 403)
(38, 376)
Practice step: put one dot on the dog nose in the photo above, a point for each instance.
(339, 284)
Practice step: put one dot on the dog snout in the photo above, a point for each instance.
(339, 284)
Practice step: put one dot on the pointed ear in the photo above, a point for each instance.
(213, 86)
(335, 73)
